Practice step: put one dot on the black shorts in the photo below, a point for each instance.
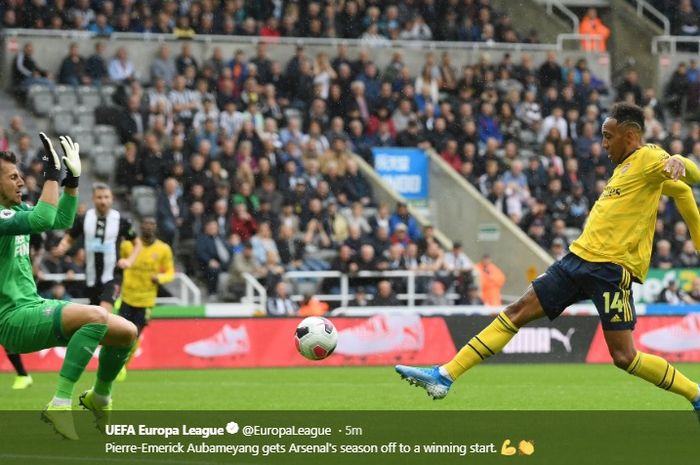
(137, 315)
(572, 279)
(107, 292)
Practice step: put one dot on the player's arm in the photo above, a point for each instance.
(42, 216)
(67, 208)
(126, 231)
(167, 267)
(68, 203)
(681, 168)
(71, 235)
(38, 219)
(682, 196)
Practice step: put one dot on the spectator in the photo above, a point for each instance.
(385, 296)
(672, 294)
(26, 72)
(96, 66)
(456, 261)
(183, 29)
(550, 72)
(243, 262)
(662, 257)
(169, 210)
(163, 66)
(263, 242)
(271, 270)
(121, 69)
(472, 296)
(361, 299)
(688, 256)
(401, 215)
(183, 100)
(492, 280)
(213, 255)
(58, 292)
(437, 296)
(100, 27)
(695, 291)
(279, 304)
(630, 86)
(591, 25)
(72, 71)
(686, 21)
(677, 90)
(380, 219)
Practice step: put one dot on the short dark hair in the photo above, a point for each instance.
(627, 113)
(9, 157)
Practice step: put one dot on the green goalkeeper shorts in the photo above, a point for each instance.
(33, 327)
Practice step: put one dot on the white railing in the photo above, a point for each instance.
(550, 5)
(669, 44)
(333, 42)
(189, 293)
(644, 6)
(256, 293)
(252, 286)
(561, 38)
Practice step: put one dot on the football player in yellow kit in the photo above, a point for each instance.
(152, 267)
(613, 250)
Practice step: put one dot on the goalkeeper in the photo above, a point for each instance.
(30, 323)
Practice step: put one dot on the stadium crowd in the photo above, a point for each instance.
(374, 21)
(252, 158)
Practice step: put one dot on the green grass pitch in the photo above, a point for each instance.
(487, 387)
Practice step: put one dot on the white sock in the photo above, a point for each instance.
(445, 373)
(58, 402)
(101, 400)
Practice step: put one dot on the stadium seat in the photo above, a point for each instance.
(62, 120)
(107, 92)
(65, 96)
(89, 97)
(40, 100)
(84, 116)
(106, 136)
(144, 200)
(83, 136)
(103, 163)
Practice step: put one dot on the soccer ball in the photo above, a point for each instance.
(315, 338)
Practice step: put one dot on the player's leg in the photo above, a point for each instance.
(610, 288)
(138, 316)
(116, 345)
(22, 380)
(492, 339)
(108, 294)
(548, 296)
(84, 326)
(649, 367)
(80, 328)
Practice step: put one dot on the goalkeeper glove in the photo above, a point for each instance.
(52, 164)
(72, 161)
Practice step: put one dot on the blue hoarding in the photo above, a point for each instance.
(404, 169)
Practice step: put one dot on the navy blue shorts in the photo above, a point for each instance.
(572, 279)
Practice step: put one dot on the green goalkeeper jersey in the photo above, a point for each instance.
(17, 286)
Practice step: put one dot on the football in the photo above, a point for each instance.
(315, 338)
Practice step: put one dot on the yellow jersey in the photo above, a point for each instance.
(620, 227)
(138, 290)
